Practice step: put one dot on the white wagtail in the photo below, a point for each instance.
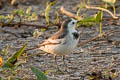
(62, 42)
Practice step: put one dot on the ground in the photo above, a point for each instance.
(99, 55)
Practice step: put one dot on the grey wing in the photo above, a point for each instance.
(59, 35)
(51, 42)
(57, 38)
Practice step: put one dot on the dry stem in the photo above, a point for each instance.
(105, 10)
(63, 11)
(105, 34)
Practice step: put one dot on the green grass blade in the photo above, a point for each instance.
(111, 2)
(87, 19)
(101, 29)
(99, 17)
(47, 10)
(12, 60)
(39, 74)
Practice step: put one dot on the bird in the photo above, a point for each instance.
(63, 41)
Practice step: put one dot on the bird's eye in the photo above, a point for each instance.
(73, 22)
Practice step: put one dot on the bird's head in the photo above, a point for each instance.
(69, 24)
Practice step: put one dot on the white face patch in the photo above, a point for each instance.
(71, 25)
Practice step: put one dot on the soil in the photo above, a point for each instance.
(99, 55)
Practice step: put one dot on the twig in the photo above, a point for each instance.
(98, 8)
(105, 34)
(63, 11)
(35, 25)
(5, 31)
(23, 24)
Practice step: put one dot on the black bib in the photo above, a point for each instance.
(75, 35)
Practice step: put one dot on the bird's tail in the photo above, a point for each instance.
(36, 47)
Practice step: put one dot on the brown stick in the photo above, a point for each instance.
(23, 24)
(105, 10)
(105, 34)
(63, 11)
(10, 32)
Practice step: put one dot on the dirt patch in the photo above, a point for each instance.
(101, 55)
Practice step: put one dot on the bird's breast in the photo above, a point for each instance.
(73, 40)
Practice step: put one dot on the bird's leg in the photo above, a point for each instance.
(63, 58)
(58, 70)
(55, 59)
